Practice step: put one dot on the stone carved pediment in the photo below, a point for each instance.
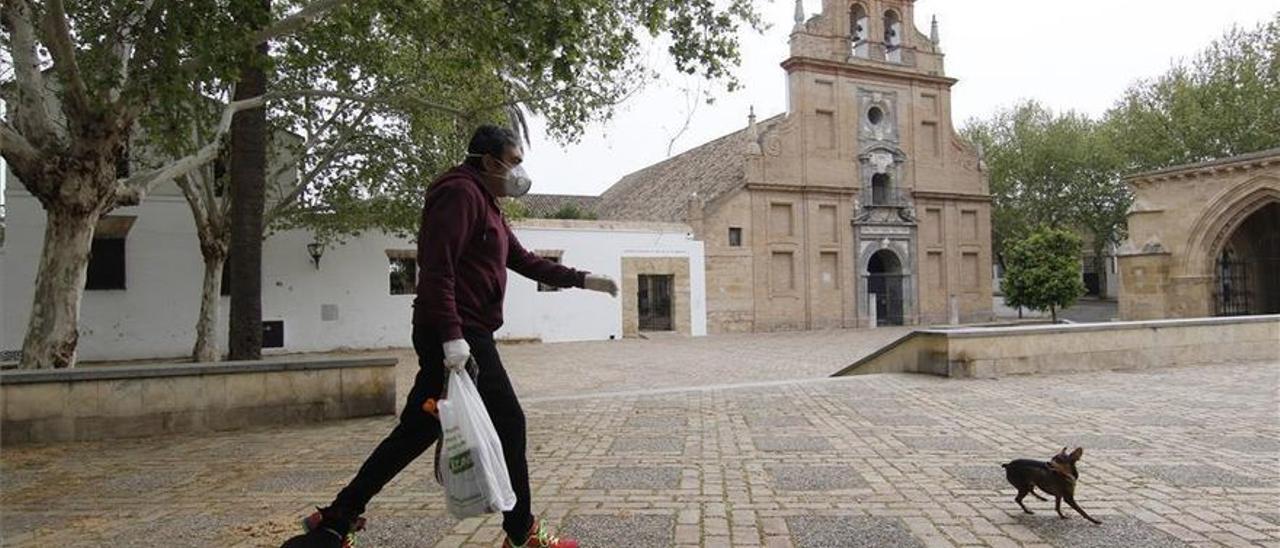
(882, 157)
(773, 136)
(773, 145)
(880, 161)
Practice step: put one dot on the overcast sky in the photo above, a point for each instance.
(1077, 55)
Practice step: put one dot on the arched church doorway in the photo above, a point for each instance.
(885, 281)
(1247, 267)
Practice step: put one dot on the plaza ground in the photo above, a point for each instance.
(737, 440)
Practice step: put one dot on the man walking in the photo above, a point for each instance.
(464, 250)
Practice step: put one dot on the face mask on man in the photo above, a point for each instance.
(516, 182)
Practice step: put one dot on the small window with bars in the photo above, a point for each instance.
(735, 236)
(402, 271)
(107, 256)
(553, 256)
(106, 265)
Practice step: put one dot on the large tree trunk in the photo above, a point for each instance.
(52, 331)
(248, 190)
(206, 348)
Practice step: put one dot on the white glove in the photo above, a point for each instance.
(603, 284)
(456, 354)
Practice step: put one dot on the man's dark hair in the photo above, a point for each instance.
(491, 140)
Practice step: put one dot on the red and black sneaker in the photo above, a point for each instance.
(539, 537)
(327, 528)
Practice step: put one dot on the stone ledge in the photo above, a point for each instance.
(189, 369)
(967, 332)
(137, 401)
(1039, 349)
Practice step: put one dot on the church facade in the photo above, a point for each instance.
(858, 206)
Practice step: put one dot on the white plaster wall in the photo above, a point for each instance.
(156, 315)
(576, 315)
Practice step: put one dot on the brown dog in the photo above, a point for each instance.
(1056, 477)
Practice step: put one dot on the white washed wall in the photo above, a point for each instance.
(156, 315)
(576, 315)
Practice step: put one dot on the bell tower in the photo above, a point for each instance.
(867, 30)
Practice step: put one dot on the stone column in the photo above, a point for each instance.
(871, 310)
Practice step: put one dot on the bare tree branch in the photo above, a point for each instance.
(122, 45)
(283, 27)
(691, 101)
(305, 181)
(131, 191)
(29, 116)
(338, 111)
(194, 201)
(390, 101)
(312, 143)
(195, 186)
(302, 18)
(205, 178)
(57, 36)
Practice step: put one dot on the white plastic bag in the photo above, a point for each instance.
(473, 470)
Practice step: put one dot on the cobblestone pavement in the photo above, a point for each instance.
(1176, 457)
(668, 361)
(1086, 310)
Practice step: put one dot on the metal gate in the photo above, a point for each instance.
(888, 291)
(655, 302)
(1231, 288)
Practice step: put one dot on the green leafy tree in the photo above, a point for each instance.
(572, 211)
(513, 209)
(1057, 170)
(1043, 271)
(1223, 102)
(106, 66)
(569, 62)
(78, 76)
(379, 105)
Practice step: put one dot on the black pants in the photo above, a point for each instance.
(418, 429)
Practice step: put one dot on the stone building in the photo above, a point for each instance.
(861, 188)
(1204, 240)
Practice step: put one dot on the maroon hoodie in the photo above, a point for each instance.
(464, 250)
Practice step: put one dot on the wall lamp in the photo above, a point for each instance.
(315, 249)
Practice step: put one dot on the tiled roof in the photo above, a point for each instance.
(661, 191)
(543, 206)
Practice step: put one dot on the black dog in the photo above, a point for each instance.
(1056, 477)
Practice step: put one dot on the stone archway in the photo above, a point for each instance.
(885, 280)
(1219, 219)
(1246, 275)
(1226, 261)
